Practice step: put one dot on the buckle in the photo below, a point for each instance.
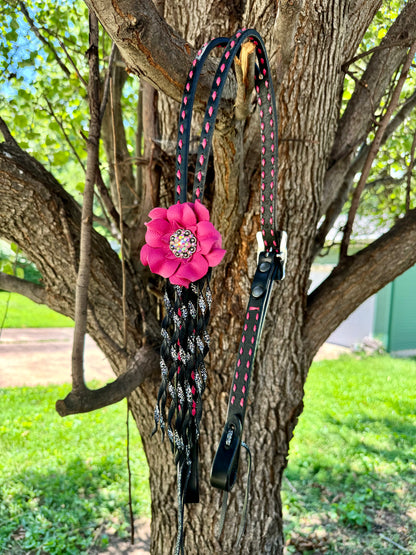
(280, 256)
(225, 465)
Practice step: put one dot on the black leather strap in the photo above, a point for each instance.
(271, 260)
(185, 117)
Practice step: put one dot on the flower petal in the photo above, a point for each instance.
(144, 254)
(159, 264)
(156, 230)
(179, 281)
(182, 215)
(207, 236)
(215, 256)
(201, 211)
(158, 213)
(193, 269)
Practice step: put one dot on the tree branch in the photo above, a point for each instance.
(359, 277)
(144, 366)
(83, 277)
(373, 152)
(5, 131)
(335, 208)
(409, 173)
(67, 139)
(358, 116)
(152, 49)
(42, 39)
(30, 290)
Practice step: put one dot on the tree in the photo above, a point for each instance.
(340, 104)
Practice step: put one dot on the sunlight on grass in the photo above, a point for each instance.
(61, 479)
(24, 313)
(352, 461)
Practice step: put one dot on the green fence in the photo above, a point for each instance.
(395, 316)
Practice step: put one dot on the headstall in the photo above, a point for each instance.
(182, 246)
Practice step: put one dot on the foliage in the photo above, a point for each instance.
(62, 482)
(384, 198)
(351, 473)
(13, 262)
(24, 313)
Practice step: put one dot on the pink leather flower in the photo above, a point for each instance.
(181, 243)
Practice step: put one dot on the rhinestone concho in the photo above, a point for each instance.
(182, 243)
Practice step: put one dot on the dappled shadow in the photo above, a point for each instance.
(65, 510)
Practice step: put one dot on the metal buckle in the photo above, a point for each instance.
(281, 255)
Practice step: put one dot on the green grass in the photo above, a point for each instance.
(21, 312)
(351, 477)
(63, 481)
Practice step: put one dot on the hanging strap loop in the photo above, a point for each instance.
(271, 253)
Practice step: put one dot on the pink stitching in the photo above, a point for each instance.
(188, 86)
(214, 95)
(218, 81)
(185, 100)
(234, 387)
(180, 143)
(210, 110)
(207, 127)
(232, 400)
(179, 158)
(204, 143)
(222, 68)
(242, 402)
(227, 54)
(243, 389)
(178, 174)
(201, 159)
(181, 128)
(246, 377)
(199, 176)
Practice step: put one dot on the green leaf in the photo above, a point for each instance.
(60, 157)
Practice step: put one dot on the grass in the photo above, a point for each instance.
(351, 479)
(63, 481)
(350, 482)
(21, 312)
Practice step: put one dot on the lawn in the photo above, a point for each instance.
(63, 482)
(349, 485)
(21, 312)
(351, 478)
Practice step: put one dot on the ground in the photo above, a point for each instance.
(43, 356)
